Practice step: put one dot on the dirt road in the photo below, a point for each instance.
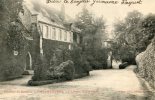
(100, 85)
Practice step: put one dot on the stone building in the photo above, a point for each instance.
(51, 35)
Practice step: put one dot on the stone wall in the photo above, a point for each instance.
(146, 64)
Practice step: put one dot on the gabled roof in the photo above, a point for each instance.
(45, 14)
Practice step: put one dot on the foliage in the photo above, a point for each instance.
(80, 61)
(92, 28)
(147, 27)
(15, 39)
(58, 70)
(12, 68)
(10, 10)
(64, 70)
(40, 68)
(125, 46)
(98, 59)
(11, 38)
(93, 33)
(133, 35)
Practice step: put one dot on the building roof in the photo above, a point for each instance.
(46, 14)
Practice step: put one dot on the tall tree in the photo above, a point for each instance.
(93, 33)
(9, 13)
(91, 27)
(10, 38)
(127, 35)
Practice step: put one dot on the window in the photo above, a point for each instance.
(71, 37)
(65, 36)
(54, 33)
(51, 34)
(60, 35)
(41, 28)
(47, 32)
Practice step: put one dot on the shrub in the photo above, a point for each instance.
(69, 70)
(64, 70)
(12, 68)
(97, 59)
(96, 65)
(40, 68)
(80, 61)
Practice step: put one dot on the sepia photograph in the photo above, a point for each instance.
(77, 49)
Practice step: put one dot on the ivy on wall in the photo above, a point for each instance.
(15, 40)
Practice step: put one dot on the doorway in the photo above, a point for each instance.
(28, 62)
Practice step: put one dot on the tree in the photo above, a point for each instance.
(10, 37)
(128, 34)
(134, 34)
(92, 28)
(147, 27)
(9, 24)
(93, 33)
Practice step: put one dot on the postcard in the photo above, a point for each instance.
(77, 49)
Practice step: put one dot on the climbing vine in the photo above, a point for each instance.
(11, 9)
(15, 38)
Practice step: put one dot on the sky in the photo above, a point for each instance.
(110, 12)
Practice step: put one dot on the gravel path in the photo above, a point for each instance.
(100, 85)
